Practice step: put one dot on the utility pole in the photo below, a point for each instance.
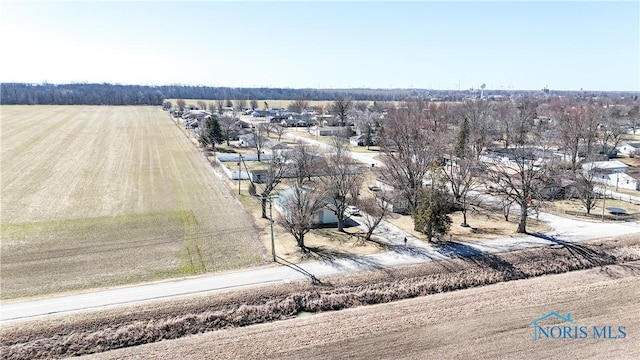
(273, 244)
(604, 200)
(239, 172)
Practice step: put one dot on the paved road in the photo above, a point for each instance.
(365, 158)
(416, 251)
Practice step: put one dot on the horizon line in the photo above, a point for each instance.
(307, 88)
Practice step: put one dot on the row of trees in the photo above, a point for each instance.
(317, 178)
(438, 156)
(79, 94)
(433, 151)
(115, 94)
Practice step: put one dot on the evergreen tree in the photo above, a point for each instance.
(462, 140)
(212, 133)
(431, 217)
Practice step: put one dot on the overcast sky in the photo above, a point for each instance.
(422, 44)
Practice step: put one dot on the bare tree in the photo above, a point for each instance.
(276, 172)
(279, 130)
(268, 128)
(253, 104)
(341, 181)
(478, 116)
(408, 150)
(298, 105)
(305, 199)
(299, 209)
(361, 106)
(212, 107)
(367, 123)
(259, 139)
(585, 188)
(459, 175)
(227, 124)
(340, 108)
(241, 104)
(522, 178)
(570, 134)
(305, 162)
(520, 181)
(201, 105)
(374, 209)
(220, 105)
(611, 127)
(632, 116)
(438, 114)
(181, 104)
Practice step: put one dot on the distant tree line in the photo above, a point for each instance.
(79, 94)
(113, 94)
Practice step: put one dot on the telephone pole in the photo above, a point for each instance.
(273, 243)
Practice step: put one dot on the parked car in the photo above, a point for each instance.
(352, 211)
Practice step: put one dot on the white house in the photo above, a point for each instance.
(613, 166)
(326, 131)
(249, 140)
(629, 148)
(612, 173)
(399, 204)
(323, 216)
(358, 140)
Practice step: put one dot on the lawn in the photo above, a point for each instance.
(96, 196)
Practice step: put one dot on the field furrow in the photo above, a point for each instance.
(98, 196)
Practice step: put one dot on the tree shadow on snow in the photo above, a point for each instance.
(459, 250)
(342, 260)
(578, 250)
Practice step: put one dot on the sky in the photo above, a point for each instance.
(325, 44)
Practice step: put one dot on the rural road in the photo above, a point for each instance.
(364, 158)
(416, 251)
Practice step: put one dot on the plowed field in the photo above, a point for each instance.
(96, 196)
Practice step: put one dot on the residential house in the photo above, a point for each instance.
(399, 204)
(611, 173)
(323, 216)
(629, 148)
(249, 140)
(328, 131)
(560, 184)
(278, 150)
(358, 140)
(287, 122)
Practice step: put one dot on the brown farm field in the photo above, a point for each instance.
(490, 322)
(96, 196)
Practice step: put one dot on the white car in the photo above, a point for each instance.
(352, 211)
